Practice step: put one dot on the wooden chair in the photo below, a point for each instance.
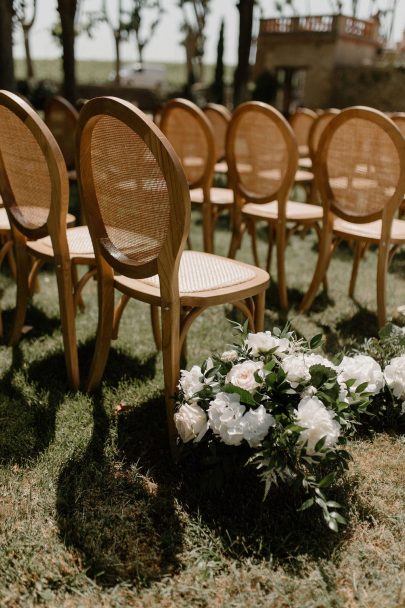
(137, 202)
(219, 117)
(192, 136)
(360, 173)
(35, 191)
(262, 157)
(301, 122)
(318, 126)
(61, 119)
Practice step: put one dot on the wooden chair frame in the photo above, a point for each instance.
(225, 116)
(210, 210)
(177, 312)
(331, 210)
(55, 226)
(299, 115)
(278, 225)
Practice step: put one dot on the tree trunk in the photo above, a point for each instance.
(7, 79)
(117, 40)
(67, 11)
(28, 58)
(241, 75)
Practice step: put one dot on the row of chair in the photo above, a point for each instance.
(136, 200)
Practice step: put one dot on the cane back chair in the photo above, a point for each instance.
(61, 119)
(315, 132)
(301, 122)
(35, 190)
(360, 173)
(137, 203)
(262, 143)
(219, 117)
(191, 135)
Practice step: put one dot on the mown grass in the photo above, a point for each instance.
(94, 513)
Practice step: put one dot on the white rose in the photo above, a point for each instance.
(318, 422)
(224, 414)
(263, 342)
(314, 359)
(229, 355)
(361, 368)
(191, 422)
(296, 369)
(255, 425)
(394, 374)
(243, 375)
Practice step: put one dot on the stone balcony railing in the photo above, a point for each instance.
(336, 25)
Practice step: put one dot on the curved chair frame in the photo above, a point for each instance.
(331, 209)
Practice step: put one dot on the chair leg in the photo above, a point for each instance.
(67, 316)
(23, 289)
(325, 248)
(282, 285)
(252, 230)
(259, 300)
(104, 328)
(207, 226)
(270, 249)
(382, 267)
(75, 280)
(157, 333)
(358, 251)
(237, 232)
(119, 309)
(171, 363)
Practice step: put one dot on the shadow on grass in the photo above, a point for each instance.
(350, 332)
(119, 364)
(37, 323)
(124, 524)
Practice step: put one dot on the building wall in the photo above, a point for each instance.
(379, 87)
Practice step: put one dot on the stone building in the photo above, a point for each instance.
(305, 52)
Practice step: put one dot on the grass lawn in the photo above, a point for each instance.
(93, 512)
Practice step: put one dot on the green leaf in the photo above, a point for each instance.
(339, 518)
(362, 387)
(315, 341)
(320, 444)
(269, 365)
(332, 524)
(327, 480)
(305, 505)
(333, 503)
(245, 396)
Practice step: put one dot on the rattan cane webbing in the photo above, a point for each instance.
(320, 125)
(203, 272)
(62, 123)
(188, 138)
(363, 167)
(131, 190)
(79, 241)
(219, 124)
(26, 169)
(400, 122)
(260, 154)
(301, 124)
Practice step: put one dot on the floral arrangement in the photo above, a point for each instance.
(291, 406)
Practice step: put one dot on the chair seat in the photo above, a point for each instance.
(303, 150)
(221, 167)
(305, 163)
(4, 223)
(303, 176)
(79, 242)
(72, 175)
(370, 231)
(219, 196)
(296, 212)
(202, 276)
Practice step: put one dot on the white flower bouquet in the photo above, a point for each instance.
(289, 406)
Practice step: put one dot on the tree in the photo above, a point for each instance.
(218, 84)
(136, 22)
(195, 14)
(68, 10)
(7, 78)
(241, 74)
(26, 21)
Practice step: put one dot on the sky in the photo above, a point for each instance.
(166, 42)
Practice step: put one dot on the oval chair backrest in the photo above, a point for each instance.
(61, 118)
(261, 152)
(219, 117)
(133, 189)
(33, 174)
(360, 165)
(301, 122)
(399, 119)
(318, 127)
(192, 137)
